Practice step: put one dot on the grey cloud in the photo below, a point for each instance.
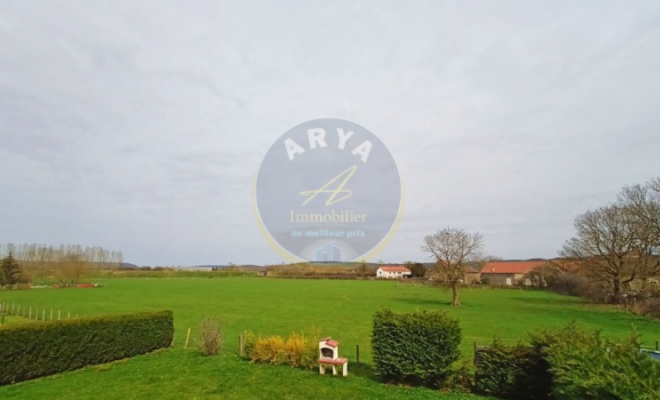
(141, 126)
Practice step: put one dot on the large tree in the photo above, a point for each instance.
(643, 204)
(611, 247)
(452, 250)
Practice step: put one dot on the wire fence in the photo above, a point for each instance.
(33, 313)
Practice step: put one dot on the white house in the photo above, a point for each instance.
(392, 272)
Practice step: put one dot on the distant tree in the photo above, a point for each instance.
(453, 249)
(417, 270)
(11, 270)
(71, 267)
(538, 277)
(362, 268)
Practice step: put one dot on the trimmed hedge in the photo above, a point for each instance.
(415, 348)
(32, 350)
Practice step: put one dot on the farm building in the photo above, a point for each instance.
(508, 272)
(392, 272)
(472, 274)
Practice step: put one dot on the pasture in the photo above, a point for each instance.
(341, 309)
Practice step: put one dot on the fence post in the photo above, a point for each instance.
(187, 337)
(656, 345)
(357, 353)
(240, 345)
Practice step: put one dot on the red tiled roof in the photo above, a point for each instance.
(390, 268)
(513, 267)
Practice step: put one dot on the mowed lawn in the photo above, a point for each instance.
(341, 309)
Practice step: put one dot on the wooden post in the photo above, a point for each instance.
(656, 345)
(43, 314)
(357, 353)
(30, 315)
(187, 337)
(59, 313)
(241, 345)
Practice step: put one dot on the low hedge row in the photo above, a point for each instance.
(37, 349)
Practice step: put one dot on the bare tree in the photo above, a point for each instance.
(612, 246)
(453, 249)
(643, 204)
(361, 268)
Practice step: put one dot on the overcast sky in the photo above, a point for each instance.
(140, 126)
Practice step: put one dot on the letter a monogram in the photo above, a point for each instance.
(340, 189)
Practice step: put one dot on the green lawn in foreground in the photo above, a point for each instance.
(342, 309)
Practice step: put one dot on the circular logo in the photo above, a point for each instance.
(328, 190)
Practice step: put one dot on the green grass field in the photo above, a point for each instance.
(341, 309)
(13, 319)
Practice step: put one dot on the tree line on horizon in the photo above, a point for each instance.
(26, 263)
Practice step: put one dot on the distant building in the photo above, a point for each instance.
(329, 252)
(392, 272)
(508, 272)
(472, 275)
